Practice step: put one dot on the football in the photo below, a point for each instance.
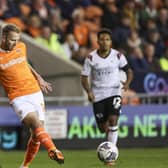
(107, 152)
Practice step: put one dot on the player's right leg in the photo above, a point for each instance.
(100, 115)
(47, 142)
(30, 110)
(32, 121)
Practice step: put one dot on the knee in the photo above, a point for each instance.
(103, 128)
(32, 122)
(113, 120)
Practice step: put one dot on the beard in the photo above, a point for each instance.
(8, 47)
(105, 48)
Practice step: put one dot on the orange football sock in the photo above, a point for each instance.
(44, 138)
(32, 149)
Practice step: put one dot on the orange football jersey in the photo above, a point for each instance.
(15, 73)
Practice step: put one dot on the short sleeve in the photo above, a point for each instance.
(86, 68)
(22, 47)
(122, 61)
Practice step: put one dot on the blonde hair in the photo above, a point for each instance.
(6, 29)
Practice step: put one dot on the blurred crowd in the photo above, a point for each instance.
(69, 27)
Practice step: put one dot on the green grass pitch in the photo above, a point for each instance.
(128, 158)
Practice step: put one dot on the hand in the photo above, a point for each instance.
(44, 85)
(125, 86)
(91, 96)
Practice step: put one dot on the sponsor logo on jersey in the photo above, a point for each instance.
(12, 62)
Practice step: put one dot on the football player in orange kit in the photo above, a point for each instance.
(23, 86)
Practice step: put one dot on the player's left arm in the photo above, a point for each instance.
(44, 85)
(129, 74)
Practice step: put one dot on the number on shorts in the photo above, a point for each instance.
(117, 102)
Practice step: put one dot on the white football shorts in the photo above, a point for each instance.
(29, 103)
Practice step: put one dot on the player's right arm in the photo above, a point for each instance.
(85, 79)
(86, 86)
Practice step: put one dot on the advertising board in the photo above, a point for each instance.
(74, 127)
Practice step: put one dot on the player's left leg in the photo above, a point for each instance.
(30, 109)
(110, 163)
(113, 107)
(31, 120)
(112, 133)
(33, 147)
(31, 151)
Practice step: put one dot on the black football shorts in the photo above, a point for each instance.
(106, 107)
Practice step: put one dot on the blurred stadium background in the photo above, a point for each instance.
(143, 129)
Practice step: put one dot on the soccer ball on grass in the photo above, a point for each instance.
(107, 152)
